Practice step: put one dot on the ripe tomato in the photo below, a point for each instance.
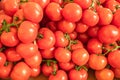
(90, 17)
(57, 1)
(60, 75)
(12, 55)
(2, 58)
(113, 58)
(108, 74)
(61, 39)
(27, 32)
(78, 45)
(45, 36)
(35, 60)
(72, 12)
(80, 56)
(83, 37)
(20, 70)
(53, 11)
(52, 25)
(108, 34)
(100, 60)
(73, 35)
(78, 74)
(62, 54)
(26, 50)
(35, 71)
(116, 72)
(33, 12)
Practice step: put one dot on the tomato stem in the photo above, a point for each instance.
(1, 49)
(39, 36)
(81, 67)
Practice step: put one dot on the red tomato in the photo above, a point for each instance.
(26, 50)
(72, 12)
(35, 71)
(113, 59)
(60, 75)
(12, 55)
(78, 45)
(78, 74)
(116, 72)
(6, 70)
(108, 74)
(83, 37)
(73, 35)
(62, 54)
(67, 66)
(66, 26)
(61, 39)
(35, 60)
(21, 71)
(90, 17)
(2, 58)
(52, 25)
(27, 32)
(33, 12)
(94, 46)
(97, 62)
(45, 36)
(80, 56)
(108, 34)
(57, 1)
(53, 11)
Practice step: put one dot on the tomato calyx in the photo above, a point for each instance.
(77, 67)
(6, 63)
(40, 36)
(92, 6)
(23, 1)
(3, 48)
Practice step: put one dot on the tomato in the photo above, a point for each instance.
(47, 53)
(61, 39)
(57, 1)
(27, 32)
(105, 16)
(53, 11)
(33, 12)
(2, 58)
(83, 37)
(78, 74)
(73, 35)
(72, 12)
(103, 1)
(108, 74)
(52, 25)
(100, 60)
(108, 34)
(78, 45)
(35, 71)
(81, 27)
(62, 54)
(84, 3)
(20, 70)
(90, 17)
(60, 75)
(35, 60)
(26, 50)
(49, 69)
(113, 59)
(45, 35)
(67, 66)
(116, 72)
(66, 26)
(6, 70)
(12, 55)
(80, 56)
(94, 46)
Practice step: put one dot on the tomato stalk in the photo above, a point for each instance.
(23, 1)
(81, 67)
(49, 61)
(39, 36)
(1, 49)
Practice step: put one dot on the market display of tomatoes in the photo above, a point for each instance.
(61, 39)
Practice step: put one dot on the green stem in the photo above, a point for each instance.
(39, 36)
(80, 67)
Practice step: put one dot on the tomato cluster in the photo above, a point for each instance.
(61, 39)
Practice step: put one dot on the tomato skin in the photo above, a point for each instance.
(53, 11)
(33, 12)
(62, 54)
(2, 58)
(26, 50)
(12, 55)
(90, 17)
(35, 71)
(35, 60)
(78, 45)
(74, 9)
(66, 26)
(113, 58)
(108, 74)
(57, 1)
(116, 72)
(60, 75)
(52, 25)
(80, 56)
(27, 32)
(20, 70)
(108, 34)
(100, 60)
(61, 40)
(83, 37)
(48, 38)
(6, 70)
(67, 66)
(78, 75)
(73, 35)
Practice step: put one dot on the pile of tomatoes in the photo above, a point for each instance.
(61, 39)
